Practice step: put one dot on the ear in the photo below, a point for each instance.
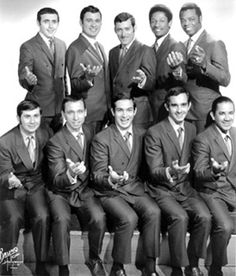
(135, 110)
(112, 112)
(212, 116)
(81, 23)
(189, 106)
(18, 119)
(85, 112)
(166, 107)
(63, 116)
(169, 24)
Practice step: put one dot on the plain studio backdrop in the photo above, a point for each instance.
(18, 24)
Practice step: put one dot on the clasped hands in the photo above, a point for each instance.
(139, 77)
(116, 179)
(176, 169)
(14, 181)
(218, 168)
(75, 169)
(198, 56)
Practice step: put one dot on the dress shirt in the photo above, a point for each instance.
(26, 139)
(160, 40)
(46, 39)
(194, 39)
(123, 133)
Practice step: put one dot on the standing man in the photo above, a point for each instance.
(214, 153)
(168, 149)
(207, 66)
(87, 67)
(41, 68)
(116, 159)
(22, 192)
(132, 67)
(67, 153)
(170, 56)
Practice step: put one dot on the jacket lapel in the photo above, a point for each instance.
(120, 141)
(44, 48)
(232, 163)
(172, 135)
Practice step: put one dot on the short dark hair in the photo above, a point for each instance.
(47, 11)
(161, 8)
(124, 16)
(27, 105)
(72, 98)
(190, 6)
(175, 91)
(219, 100)
(121, 97)
(91, 9)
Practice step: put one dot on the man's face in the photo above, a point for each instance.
(48, 24)
(190, 22)
(178, 107)
(91, 24)
(159, 24)
(224, 116)
(74, 114)
(125, 32)
(124, 113)
(30, 120)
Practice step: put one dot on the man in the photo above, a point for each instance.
(115, 165)
(132, 68)
(170, 56)
(41, 68)
(67, 153)
(22, 192)
(214, 165)
(87, 67)
(167, 149)
(207, 66)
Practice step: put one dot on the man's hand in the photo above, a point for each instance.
(174, 59)
(117, 179)
(91, 71)
(14, 182)
(139, 77)
(30, 77)
(178, 170)
(217, 167)
(75, 169)
(198, 56)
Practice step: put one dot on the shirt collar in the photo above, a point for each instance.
(25, 136)
(196, 35)
(161, 39)
(129, 45)
(75, 133)
(90, 40)
(174, 125)
(45, 39)
(123, 132)
(222, 133)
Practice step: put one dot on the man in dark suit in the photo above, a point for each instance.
(116, 159)
(87, 66)
(67, 153)
(214, 153)
(41, 68)
(170, 56)
(207, 65)
(22, 192)
(132, 68)
(167, 150)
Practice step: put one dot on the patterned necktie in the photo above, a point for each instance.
(127, 140)
(80, 140)
(189, 44)
(51, 46)
(180, 137)
(123, 51)
(31, 148)
(228, 143)
(156, 45)
(98, 49)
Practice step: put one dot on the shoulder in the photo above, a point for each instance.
(7, 138)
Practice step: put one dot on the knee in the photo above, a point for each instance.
(180, 219)
(13, 221)
(61, 219)
(42, 218)
(228, 227)
(99, 220)
(130, 220)
(153, 213)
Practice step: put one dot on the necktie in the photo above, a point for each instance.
(228, 143)
(31, 148)
(123, 52)
(156, 46)
(79, 139)
(127, 140)
(189, 45)
(51, 46)
(98, 49)
(180, 137)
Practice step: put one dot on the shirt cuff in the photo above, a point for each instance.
(72, 179)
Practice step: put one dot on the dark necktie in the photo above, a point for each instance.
(189, 45)
(123, 51)
(79, 139)
(180, 137)
(228, 143)
(31, 148)
(127, 141)
(51, 46)
(156, 46)
(98, 49)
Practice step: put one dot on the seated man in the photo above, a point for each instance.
(167, 150)
(116, 157)
(67, 153)
(214, 153)
(22, 192)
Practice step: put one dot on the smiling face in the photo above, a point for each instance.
(30, 120)
(125, 31)
(178, 107)
(159, 24)
(48, 24)
(91, 24)
(124, 113)
(224, 116)
(74, 114)
(190, 22)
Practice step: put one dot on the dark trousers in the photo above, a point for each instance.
(222, 228)
(181, 216)
(33, 211)
(90, 213)
(125, 217)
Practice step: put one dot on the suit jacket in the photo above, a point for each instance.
(109, 148)
(161, 148)
(204, 85)
(164, 77)
(97, 96)
(139, 56)
(51, 86)
(14, 157)
(210, 144)
(61, 146)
